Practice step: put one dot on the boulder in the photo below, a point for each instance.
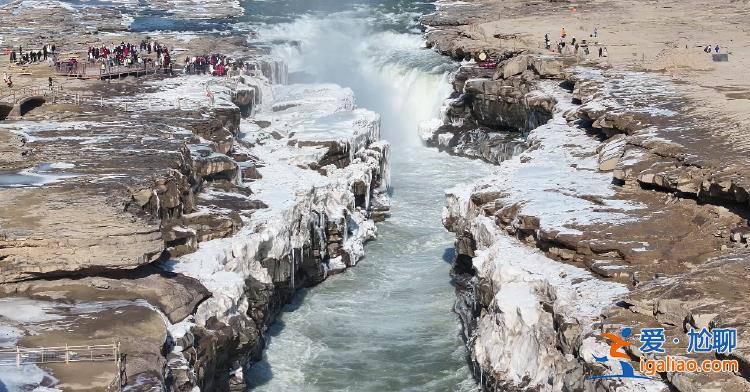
(547, 66)
(212, 165)
(610, 152)
(63, 240)
(513, 66)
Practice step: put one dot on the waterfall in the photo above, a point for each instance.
(294, 266)
(237, 174)
(371, 319)
(390, 73)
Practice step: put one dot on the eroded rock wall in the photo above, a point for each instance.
(198, 222)
(553, 226)
(492, 109)
(323, 184)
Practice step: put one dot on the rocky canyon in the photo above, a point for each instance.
(618, 201)
(528, 191)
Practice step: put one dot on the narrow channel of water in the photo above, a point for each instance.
(387, 324)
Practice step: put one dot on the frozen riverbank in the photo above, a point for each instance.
(236, 214)
(387, 324)
(619, 192)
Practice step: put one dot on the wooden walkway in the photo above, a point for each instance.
(86, 70)
(21, 356)
(65, 354)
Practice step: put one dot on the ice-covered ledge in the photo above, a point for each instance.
(318, 164)
(530, 321)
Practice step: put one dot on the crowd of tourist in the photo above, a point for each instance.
(146, 54)
(30, 55)
(215, 64)
(574, 47)
(128, 54)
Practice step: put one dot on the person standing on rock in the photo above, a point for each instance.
(605, 52)
(50, 83)
(210, 96)
(600, 52)
(563, 34)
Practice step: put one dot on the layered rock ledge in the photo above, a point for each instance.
(194, 220)
(611, 206)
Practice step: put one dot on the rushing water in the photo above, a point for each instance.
(387, 324)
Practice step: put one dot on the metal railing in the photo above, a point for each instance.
(57, 95)
(63, 354)
(84, 69)
(19, 93)
(21, 356)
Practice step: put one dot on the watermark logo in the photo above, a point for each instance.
(617, 343)
(654, 358)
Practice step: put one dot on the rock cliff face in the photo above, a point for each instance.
(493, 109)
(200, 222)
(604, 241)
(611, 213)
(320, 212)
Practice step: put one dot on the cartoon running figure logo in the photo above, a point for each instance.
(618, 342)
(654, 360)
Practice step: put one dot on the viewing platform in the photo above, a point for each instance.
(85, 70)
(69, 356)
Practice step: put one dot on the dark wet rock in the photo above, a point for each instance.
(492, 109)
(212, 165)
(220, 128)
(245, 99)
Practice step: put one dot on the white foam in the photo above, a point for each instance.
(62, 165)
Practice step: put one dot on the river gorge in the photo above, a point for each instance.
(364, 328)
(366, 196)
